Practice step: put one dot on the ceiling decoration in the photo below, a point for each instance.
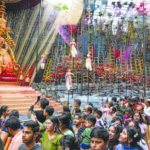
(35, 29)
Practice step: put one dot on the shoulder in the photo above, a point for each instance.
(119, 147)
(22, 147)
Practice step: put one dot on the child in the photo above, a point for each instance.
(90, 123)
(99, 121)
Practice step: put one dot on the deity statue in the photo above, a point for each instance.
(73, 48)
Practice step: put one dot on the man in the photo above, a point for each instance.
(29, 136)
(12, 125)
(87, 109)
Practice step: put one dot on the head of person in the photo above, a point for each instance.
(87, 109)
(52, 124)
(147, 102)
(114, 131)
(77, 119)
(134, 124)
(133, 101)
(94, 110)
(12, 124)
(128, 112)
(77, 111)
(99, 139)
(48, 111)
(114, 100)
(140, 108)
(15, 113)
(119, 114)
(67, 142)
(137, 117)
(113, 110)
(30, 132)
(4, 110)
(98, 114)
(117, 120)
(65, 109)
(77, 103)
(64, 121)
(83, 120)
(90, 104)
(131, 136)
(90, 121)
(43, 103)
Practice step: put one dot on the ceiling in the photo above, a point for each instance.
(20, 4)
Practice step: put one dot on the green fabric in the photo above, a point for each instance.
(86, 136)
(52, 144)
(43, 126)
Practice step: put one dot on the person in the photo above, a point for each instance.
(128, 139)
(38, 114)
(77, 123)
(114, 133)
(144, 128)
(127, 117)
(88, 63)
(99, 121)
(43, 59)
(90, 123)
(52, 135)
(29, 135)
(12, 125)
(87, 109)
(67, 142)
(147, 110)
(99, 139)
(142, 142)
(68, 79)
(73, 48)
(1, 144)
(48, 112)
(4, 113)
(21, 79)
(64, 121)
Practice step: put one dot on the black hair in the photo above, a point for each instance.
(66, 109)
(100, 133)
(78, 101)
(119, 114)
(55, 122)
(68, 141)
(91, 118)
(141, 118)
(12, 123)
(114, 141)
(114, 109)
(77, 110)
(89, 109)
(15, 113)
(3, 109)
(33, 125)
(117, 118)
(114, 99)
(95, 109)
(65, 121)
(99, 113)
(49, 110)
(133, 134)
(84, 116)
(78, 114)
(90, 104)
(44, 102)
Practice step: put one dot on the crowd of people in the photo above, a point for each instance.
(118, 124)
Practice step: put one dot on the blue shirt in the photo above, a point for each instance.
(122, 147)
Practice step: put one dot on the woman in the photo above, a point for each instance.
(114, 133)
(4, 112)
(73, 48)
(142, 143)
(99, 139)
(88, 63)
(52, 135)
(144, 128)
(128, 139)
(65, 127)
(68, 79)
